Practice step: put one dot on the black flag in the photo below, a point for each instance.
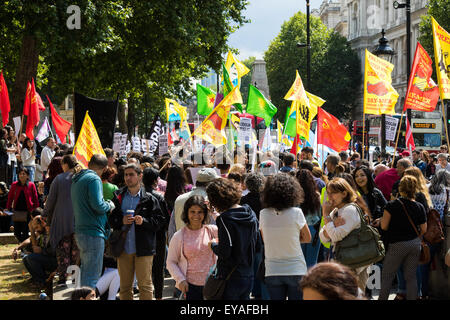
(103, 114)
(155, 131)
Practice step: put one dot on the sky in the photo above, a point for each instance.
(266, 16)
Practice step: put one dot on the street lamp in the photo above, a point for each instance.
(383, 51)
(407, 6)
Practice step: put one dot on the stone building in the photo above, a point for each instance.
(259, 77)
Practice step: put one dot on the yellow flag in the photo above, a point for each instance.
(441, 40)
(88, 143)
(175, 111)
(236, 70)
(379, 94)
(297, 91)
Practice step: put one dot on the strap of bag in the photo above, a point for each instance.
(409, 218)
(229, 275)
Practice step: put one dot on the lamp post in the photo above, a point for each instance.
(407, 6)
(383, 51)
(307, 45)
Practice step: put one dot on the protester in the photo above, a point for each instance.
(83, 293)
(48, 152)
(141, 212)
(307, 153)
(90, 212)
(108, 187)
(379, 168)
(331, 163)
(430, 168)
(4, 155)
(283, 229)
(12, 150)
(176, 186)
(404, 243)
(330, 281)
(53, 169)
(204, 177)
(22, 200)
(312, 210)
(422, 194)
(58, 211)
(28, 157)
(385, 180)
(341, 217)
(439, 191)
(288, 161)
(237, 238)
(417, 162)
(190, 258)
(111, 156)
(150, 181)
(442, 162)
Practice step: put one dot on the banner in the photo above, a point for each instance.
(163, 144)
(391, 128)
(245, 131)
(156, 130)
(422, 93)
(104, 115)
(116, 142)
(44, 131)
(441, 40)
(88, 142)
(379, 95)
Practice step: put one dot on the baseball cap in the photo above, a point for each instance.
(405, 153)
(207, 175)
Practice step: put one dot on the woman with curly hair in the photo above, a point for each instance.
(54, 168)
(238, 238)
(283, 228)
(312, 210)
(330, 281)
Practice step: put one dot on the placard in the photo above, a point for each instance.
(391, 128)
(163, 144)
(245, 130)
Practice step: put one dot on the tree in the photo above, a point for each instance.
(333, 63)
(124, 48)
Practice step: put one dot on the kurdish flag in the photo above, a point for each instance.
(228, 86)
(259, 106)
(441, 40)
(205, 100)
(175, 111)
(236, 70)
(212, 128)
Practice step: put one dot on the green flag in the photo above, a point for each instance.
(259, 106)
(228, 86)
(205, 100)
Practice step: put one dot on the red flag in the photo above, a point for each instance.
(31, 109)
(4, 100)
(27, 103)
(331, 132)
(61, 126)
(422, 93)
(409, 137)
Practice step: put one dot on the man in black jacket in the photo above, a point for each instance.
(138, 212)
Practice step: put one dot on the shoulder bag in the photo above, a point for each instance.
(214, 286)
(361, 247)
(117, 241)
(425, 255)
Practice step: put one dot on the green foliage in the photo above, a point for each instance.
(333, 63)
(124, 48)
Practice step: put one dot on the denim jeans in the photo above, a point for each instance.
(238, 288)
(282, 287)
(91, 257)
(310, 250)
(38, 265)
(31, 171)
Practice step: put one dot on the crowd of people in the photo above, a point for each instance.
(269, 229)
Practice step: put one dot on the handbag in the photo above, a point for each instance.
(214, 286)
(425, 255)
(19, 216)
(361, 247)
(117, 241)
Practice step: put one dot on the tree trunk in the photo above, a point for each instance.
(122, 119)
(27, 69)
(131, 121)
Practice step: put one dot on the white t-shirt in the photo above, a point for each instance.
(352, 221)
(281, 233)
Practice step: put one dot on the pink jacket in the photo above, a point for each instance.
(176, 261)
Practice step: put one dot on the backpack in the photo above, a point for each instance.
(435, 230)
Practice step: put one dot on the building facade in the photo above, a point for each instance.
(361, 22)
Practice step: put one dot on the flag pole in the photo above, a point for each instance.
(396, 140)
(363, 134)
(445, 121)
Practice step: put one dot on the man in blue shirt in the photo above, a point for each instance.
(288, 161)
(90, 212)
(138, 212)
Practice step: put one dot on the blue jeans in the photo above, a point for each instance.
(31, 171)
(91, 257)
(238, 288)
(311, 251)
(424, 270)
(259, 289)
(282, 287)
(38, 265)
